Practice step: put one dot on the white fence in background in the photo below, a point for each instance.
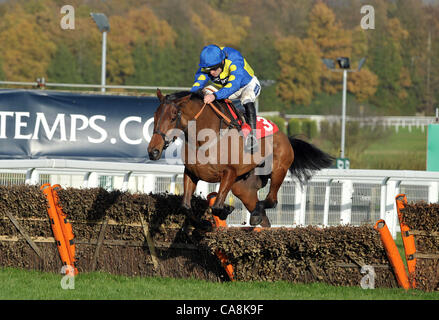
(332, 197)
(395, 122)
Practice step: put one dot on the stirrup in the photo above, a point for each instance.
(251, 143)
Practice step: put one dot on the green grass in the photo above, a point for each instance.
(402, 150)
(377, 148)
(389, 150)
(20, 284)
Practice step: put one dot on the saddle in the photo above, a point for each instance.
(264, 127)
(235, 119)
(238, 118)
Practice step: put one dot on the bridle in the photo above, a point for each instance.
(163, 135)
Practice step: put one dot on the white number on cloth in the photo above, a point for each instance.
(266, 124)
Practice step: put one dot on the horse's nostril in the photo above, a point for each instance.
(154, 154)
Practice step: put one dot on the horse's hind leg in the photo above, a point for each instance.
(227, 180)
(247, 191)
(282, 160)
(277, 178)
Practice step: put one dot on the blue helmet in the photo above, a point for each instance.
(211, 55)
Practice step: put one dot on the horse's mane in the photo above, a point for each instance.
(178, 95)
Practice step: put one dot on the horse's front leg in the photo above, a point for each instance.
(190, 184)
(227, 180)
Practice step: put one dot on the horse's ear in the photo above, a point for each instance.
(159, 95)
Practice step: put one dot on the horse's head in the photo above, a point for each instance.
(167, 118)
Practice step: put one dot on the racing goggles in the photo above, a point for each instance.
(208, 69)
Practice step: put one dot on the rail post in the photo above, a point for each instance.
(126, 179)
(32, 176)
(391, 214)
(173, 182)
(326, 205)
(299, 204)
(347, 190)
(91, 180)
(202, 188)
(433, 192)
(149, 183)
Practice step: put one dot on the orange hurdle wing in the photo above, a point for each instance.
(56, 226)
(66, 227)
(393, 254)
(407, 239)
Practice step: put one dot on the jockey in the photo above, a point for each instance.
(229, 77)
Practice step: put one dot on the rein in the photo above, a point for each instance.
(230, 123)
(218, 112)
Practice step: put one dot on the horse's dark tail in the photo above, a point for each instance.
(308, 159)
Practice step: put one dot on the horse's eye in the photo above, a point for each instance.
(174, 115)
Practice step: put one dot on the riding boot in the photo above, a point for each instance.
(251, 142)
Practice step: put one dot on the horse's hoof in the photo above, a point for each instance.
(228, 208)
(265, 222)
(222, 213)
(205, 226)
(255, 220)
(202, 224)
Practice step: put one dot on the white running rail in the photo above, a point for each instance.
(332, 197)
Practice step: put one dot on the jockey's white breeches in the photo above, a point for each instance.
(246, 94)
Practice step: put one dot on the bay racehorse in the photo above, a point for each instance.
(213, 161)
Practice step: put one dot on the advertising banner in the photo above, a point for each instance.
(38, 124)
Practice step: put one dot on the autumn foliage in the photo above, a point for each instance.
(157, 43)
